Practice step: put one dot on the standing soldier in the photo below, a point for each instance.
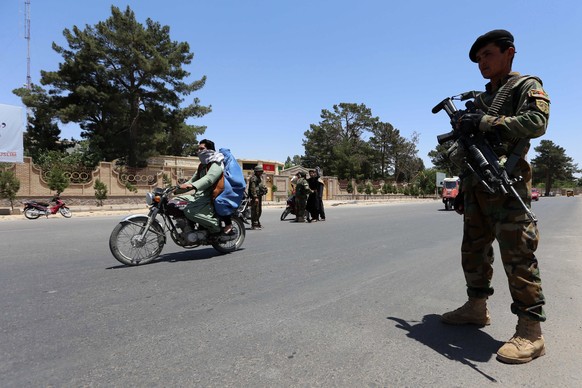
(256, 191)
(515, 109)
(301, 192)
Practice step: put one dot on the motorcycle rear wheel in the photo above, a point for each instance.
(31, 213)
(126, 246)
(285, 214)
(65, 212)
(232, 245)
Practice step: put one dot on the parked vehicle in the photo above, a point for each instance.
(139, 239)
(34, 209)
(450, 191)
(535, 194)
(290, 209)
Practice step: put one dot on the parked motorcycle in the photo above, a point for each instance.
(139, 239)
(34, 209)
(290, 209)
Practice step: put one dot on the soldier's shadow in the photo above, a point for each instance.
(465, 344)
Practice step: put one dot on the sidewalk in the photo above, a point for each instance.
(106, 210)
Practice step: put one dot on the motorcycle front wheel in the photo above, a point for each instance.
(128, 245)
(31, 213)
(285, 214)
(66, 212)
(228, 246)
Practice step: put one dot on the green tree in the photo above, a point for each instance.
(407, 164)
(336, 145)
(552, 164)
(42, 132)
(124, 83)
(9, 186)
(57, 180)
(385, 138)
(100, 191)
(426, 180)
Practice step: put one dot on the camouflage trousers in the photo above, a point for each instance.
(300, 204)
(498, 217)
(256, 211)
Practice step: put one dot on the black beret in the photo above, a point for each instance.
(485, 39)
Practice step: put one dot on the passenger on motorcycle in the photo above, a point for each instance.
(207, 183)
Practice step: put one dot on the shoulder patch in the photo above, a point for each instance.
(538, 93)
(540, 99)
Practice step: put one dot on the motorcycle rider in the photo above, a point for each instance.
(207, 180)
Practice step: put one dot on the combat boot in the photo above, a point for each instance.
(474, 312)
(526, 344)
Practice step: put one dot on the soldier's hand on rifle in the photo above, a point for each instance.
(469, 122)
(456, 117)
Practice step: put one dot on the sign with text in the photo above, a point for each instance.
(11, 132)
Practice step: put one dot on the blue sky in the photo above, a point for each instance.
(272, 66)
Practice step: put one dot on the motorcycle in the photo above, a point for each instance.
(244, 209)
(34, 209)
(290, 209)
(139, 239)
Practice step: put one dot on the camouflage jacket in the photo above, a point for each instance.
(302, 188)
(256, 187)
(524, 114)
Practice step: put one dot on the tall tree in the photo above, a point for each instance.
(383, 142)
(336, 145)
(124, 83)
(552, 164)
(407, 164)
(42, 132)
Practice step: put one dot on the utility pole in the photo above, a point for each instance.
(27, 37)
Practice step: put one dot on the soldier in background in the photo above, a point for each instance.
(256, 191)
(522, 113)
(301, 192)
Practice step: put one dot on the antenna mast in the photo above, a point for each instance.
(27, 37)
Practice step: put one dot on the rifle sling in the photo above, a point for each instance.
(497, 103)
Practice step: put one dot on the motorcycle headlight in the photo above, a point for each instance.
(150, 198)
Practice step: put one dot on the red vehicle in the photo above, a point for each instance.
(450, 191)
(535, 194)
(33, 209)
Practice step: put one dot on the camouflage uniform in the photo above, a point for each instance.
(301, 192)
(256, 190)
(487, 217)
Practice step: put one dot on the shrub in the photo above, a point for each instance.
(9, 186)
(57, 180)
(100, 192)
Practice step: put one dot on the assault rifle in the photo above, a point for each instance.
(480, 158)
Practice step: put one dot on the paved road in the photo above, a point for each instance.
(353, 301)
